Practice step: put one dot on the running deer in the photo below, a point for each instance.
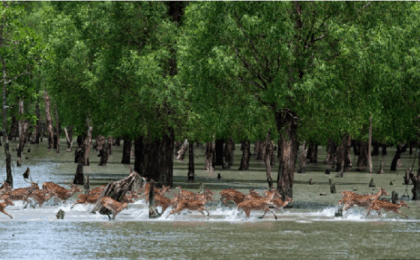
(114, 206)
(236, 196)
(195, 204)
(161, 192)
(97, 190)
(362, 200)
(257, 204)
(39, 197)
(5, 187)
(84, 199)
(379, 204)
(280, 204)
(347, 194)
(20, 193)
(4, 204)
(185, 194)
(59, 192)
(130, 198)
(164, 202)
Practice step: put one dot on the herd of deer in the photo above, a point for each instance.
(183, 200)
(370, 202)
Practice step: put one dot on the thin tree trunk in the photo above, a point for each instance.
(381, 169)
(394, 163)
(312, 153)
(209, 152)
(370, 146)
(269, 150)
(35, 133)
(79, 177)
(219, 152)
(49, 121)
(331, 150)
(126, 154)
(257, 148)
(246, 155)
(68, 139)
(303, 157)
(138, 154)
(230, 148)
(14, 129)
(58, 129)
(182, 151)
(86, 146)
(22, 134)
(341, 155)
(9, 177)
(191, 162)
(356, 147)
(362, 161)
(103, 153)
(110, 145)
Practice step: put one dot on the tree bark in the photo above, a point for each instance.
(49, 121)
(191, 162)
(375, 149)
(79, 177)
(416, 189)
(219, 152)
(362, 161)
(118, 141)
(100, 143)
(167, 148)
(110, 145)
(342, 154)
(400, 149)
(103, 153)
(23, 127)
(381, 169)
(287, 127)
(181, 152)
(356, 147)
(209, 152)
(331, 150)
(178, 145)
(86, 146)
(230, 148)
(246, 155)
(269, 150)
(14, 129)
(116, 190)
(312, 153)
(126, 154)
(58, 129)
(303, 157)
(257, 148)
(9, 176)
(138, 154)
(68, 138)
(36, 132)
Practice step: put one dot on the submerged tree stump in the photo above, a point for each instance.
(116, 190)
(79, 177)
(60, 214)
(371, 183)
(153, 213)
(332, 186)
(394, 197)
(416, 188)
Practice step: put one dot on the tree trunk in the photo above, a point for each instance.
(167, 162)
(79, 177)
(219, 152)
(400, 149)
(356, 147)
(375, 149)
(118, 141)
(257, 148)
(24, 128)
(416, 189)
(348, 162)
(362, 161)
(261, 150)
(49, 121)
(370, 146)
(381, 169)
(191, 162)
(86, 146)
(269, 150)
(209, 152)
(9, 177)
(303, 157)
(230, 148)
(287, 128)
(14, 129)
(138, 154)
(99, 144)
(312, 153)
(342, 154)
(246, 155)
(103, 153)
(182, 151)
(331, 150)
(36, 132)
(126, 151)
(178, 145)
(116, 190)
(383, 149)
(68, 139)
(58, 129)
(110, 145)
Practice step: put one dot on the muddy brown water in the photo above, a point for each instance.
(307, 230)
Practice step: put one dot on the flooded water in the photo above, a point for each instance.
(308, 230)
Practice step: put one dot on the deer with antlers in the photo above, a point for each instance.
(258, 204)
(378, 205)
(114, 206)
(4, 204)
(59, 192)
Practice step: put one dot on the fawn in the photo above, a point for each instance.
(362, 200)
(380, 204)
(114, 206)
(4, 204)
(257, 204)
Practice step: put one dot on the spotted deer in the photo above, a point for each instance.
(378, 205)
(59, 192)
(114, 206)
(20, 193)
(4, 204)
(257, 204)
(39, 197)
(190, 204)
(97, 190)
(280, 204)
(236, 196)
(164, 202)
(85, 199)
(346, 194)
(361, 200)
(185, 194)
(161, 192)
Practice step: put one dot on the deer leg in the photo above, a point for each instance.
(77, 202)
(368, 212)
(265, 212)
(6, 213)
(401, 213)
